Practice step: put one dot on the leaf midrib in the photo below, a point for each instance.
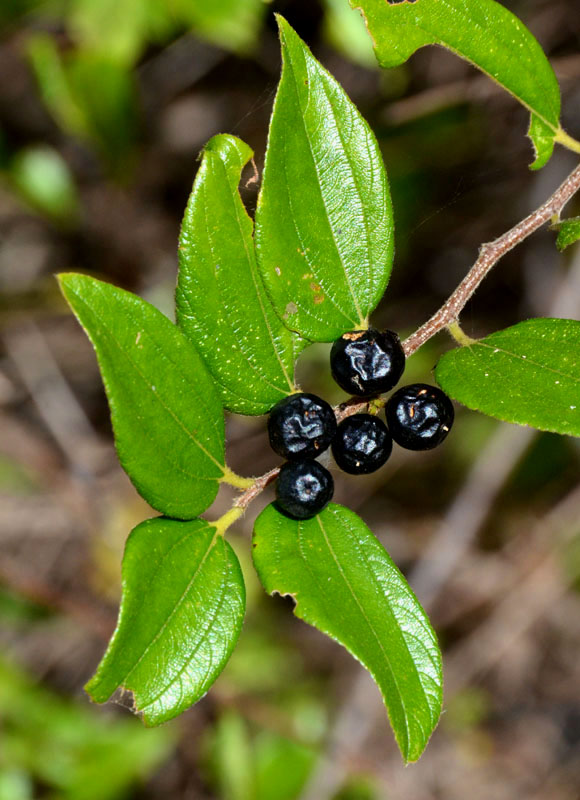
(251, 260)
(180, 601)
(202, 639)
(371, 628)
(361, 319)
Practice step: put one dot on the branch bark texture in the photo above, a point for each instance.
(489, 255)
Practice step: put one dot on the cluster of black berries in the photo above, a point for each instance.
(302, 426)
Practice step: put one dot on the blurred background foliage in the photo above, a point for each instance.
(104, 107)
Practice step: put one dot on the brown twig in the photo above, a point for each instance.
(489, 255)
(258, 486)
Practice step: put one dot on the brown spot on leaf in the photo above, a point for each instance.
(291, 308)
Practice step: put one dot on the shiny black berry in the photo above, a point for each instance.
(419, 416)
(362, 444)
(301, 426)
(303, 489)
(367, 362)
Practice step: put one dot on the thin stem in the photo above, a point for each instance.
(567, 141)
(489, 255)
(459, 335)
(236, 480)
(258, 485)
(223, 523)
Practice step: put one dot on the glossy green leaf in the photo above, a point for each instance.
(482, 32)
(568, 232)
(181, 614)
(324, 224)
(528, 374)
(167, 418)
(222, 304)
(345, 584)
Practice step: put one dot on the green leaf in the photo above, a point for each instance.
(90, 95)
(345, 584)
(116, 28)
(528, 374)
(54, 84)
(105, 92)
(181, 613)
(73, 753)
(346, 32)
(43, 179)
(233, 24)
(232, 758)
(283, 767)
(167, 418)
(484, 33)
(222, 304)
(568, 232)
(324, 223)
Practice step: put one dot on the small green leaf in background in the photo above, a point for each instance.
(324, 223)
(167, 417)
(233, 24)
(528, 374)
(359, 787)
(262, 766)
(54, 84)
(43, 179)
(484, 33)
(346, 585)
(116, 28)
(91, 95)
(232, 758)
(72, 751)
(106, 93)
(282, 766)
(568, 232)
(181, 614)
(346, 32)
(222, 304)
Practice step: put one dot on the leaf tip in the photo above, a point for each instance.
(286, 30)
(64, 278)
(91, 687)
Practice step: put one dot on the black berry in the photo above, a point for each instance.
(419, 416)
(367, 362)
(301, 426)
(304, 488)
(362, 444)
